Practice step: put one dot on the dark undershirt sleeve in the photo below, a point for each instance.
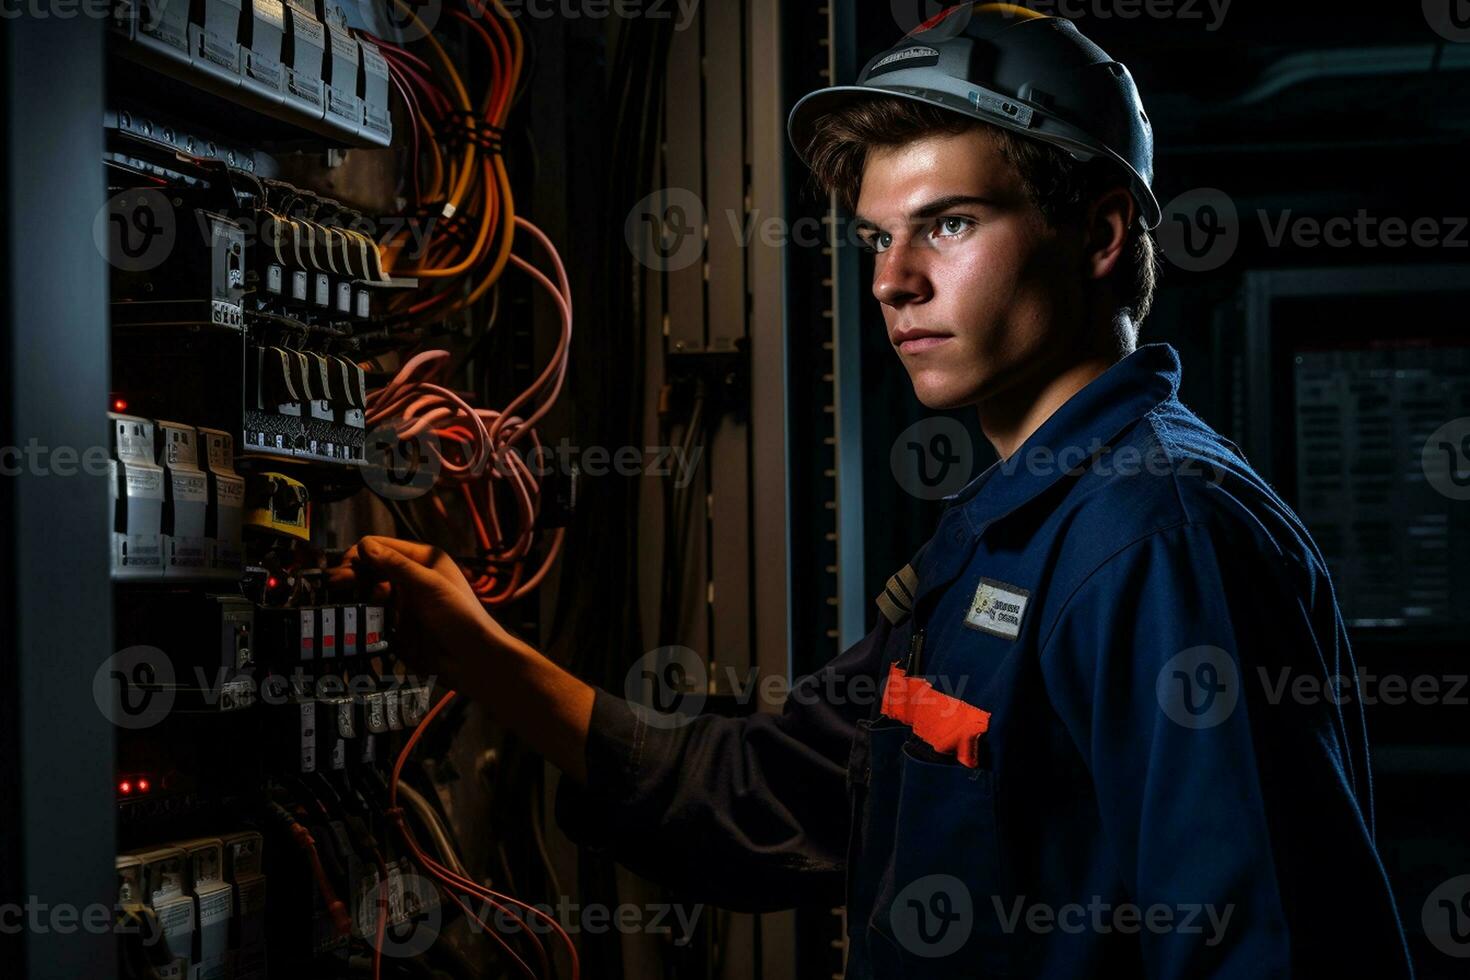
(748, 813)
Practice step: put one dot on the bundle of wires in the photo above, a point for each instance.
(454, 883)
(489, 445)
(456, 183)
(465, 205)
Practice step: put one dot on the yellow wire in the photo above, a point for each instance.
(462, 172)
(507, 228)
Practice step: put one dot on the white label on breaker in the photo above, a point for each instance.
(308, 737)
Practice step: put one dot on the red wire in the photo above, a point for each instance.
(448, 876)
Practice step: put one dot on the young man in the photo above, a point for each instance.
(1054, 755)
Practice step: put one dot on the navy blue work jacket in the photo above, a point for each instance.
(1124, 596)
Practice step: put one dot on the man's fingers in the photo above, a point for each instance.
(416, 551)
(393, 564)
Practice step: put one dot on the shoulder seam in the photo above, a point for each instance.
(1041, 647)
(1149, 417)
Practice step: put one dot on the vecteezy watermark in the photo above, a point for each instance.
(407, 21)
(667, 687)
(36, 459)
(682, 12)
(134, 688)
(666, 229)
(39, 917)
(135, 230)
(1364, 230)
(932, 458)
(1446, 459)
(910, 14)
(1201, 230)
(1446, 917)
(933, 916)
(398, 467)
(72, 9)
(1101, 917)
(655, 918)
(594, 461)
(139, 686)
(1450, 19)
(409, 906)
(1199, 687)
(1108, 461)
(1363, 687)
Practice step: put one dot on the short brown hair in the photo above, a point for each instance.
(1059, 186)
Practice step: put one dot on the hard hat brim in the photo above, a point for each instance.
(801, 126)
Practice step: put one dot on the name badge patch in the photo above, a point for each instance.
(997, 608)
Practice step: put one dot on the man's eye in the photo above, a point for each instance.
(953, 225)
(879, 241)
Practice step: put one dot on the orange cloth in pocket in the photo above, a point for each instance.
(945, 723)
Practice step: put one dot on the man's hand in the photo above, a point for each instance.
(442, 626)
(444, 630)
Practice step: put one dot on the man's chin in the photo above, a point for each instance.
(944, 394)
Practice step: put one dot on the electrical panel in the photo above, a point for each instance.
(309, 216)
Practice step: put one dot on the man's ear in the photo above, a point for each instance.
(1108, 221)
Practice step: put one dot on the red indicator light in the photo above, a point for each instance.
(124, 787)
(272, 582)
(142, 786)
(119, 404)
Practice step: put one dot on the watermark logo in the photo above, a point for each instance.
(665, 230)
(1199, 687)
(1450, 19)
(1200, 229)
(397, 468)
(1446, 917)
(1446, 459)
(1102, 917)
(134, 688)
(414, 915)
(135, 230)
(681, 12)
(667, 687)
(1364, 687)
(910, 14)
(933, 457)
(933, 916)
(411, 20)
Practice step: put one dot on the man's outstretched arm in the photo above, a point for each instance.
(750, 813)
(451, 636)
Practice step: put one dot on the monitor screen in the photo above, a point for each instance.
(1380, 467)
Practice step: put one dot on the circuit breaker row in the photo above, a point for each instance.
(304, 403)
(337, 733)
(197, 908)
(302, 634)
(295, 59)
(175, 514)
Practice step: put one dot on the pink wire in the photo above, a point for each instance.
(416, 401)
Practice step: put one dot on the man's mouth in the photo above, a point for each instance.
(918, 341)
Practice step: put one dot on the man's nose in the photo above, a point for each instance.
(900, 277)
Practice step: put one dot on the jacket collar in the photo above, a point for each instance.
(1087, 422)
(1064, 443)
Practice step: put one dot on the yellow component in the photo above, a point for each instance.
(277, 504)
